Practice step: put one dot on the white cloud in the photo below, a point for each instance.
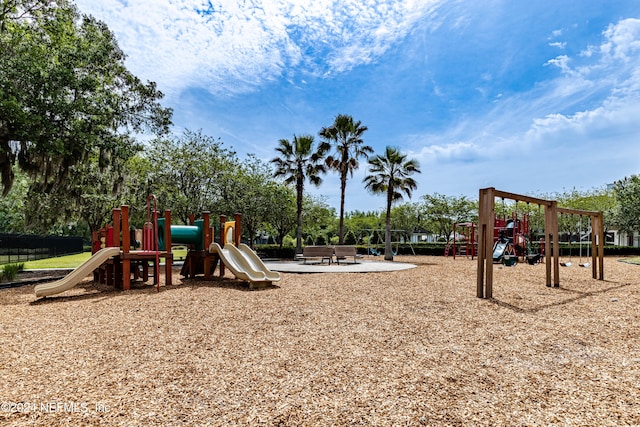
(457, 151)
(562, 62)
(560, 45)
(623, 39)
(556, 33)
(579, 128)
(227, 47)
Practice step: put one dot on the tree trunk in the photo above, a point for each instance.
(343, 190)
(252, 238)
(388, 252)
(299, 188)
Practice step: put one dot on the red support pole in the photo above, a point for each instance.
(126, 246)
(454, 240)
(223, 220)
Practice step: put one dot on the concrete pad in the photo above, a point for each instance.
(364, 266)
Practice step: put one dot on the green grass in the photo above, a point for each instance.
(67, 261)
(73, 261)
(634, 260)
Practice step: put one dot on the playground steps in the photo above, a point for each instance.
(461, 249)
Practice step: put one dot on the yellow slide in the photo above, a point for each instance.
(77, 275)
(244, 264)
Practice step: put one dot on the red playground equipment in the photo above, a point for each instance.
(117, 258)
(463, 242)
(511, 238)
(487, 235)
(132, 263)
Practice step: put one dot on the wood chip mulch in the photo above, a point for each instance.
(413, 347)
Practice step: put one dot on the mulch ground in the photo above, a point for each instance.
(412, 347)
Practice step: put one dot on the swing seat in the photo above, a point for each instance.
(534, 259)
(566, 264)
(509, 260)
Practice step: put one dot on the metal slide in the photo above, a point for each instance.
(77, 275)
(244, 264)
(498, 250)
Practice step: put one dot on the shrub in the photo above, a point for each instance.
(288, 242)
(274, 252)
(10, 271)
(349, 238)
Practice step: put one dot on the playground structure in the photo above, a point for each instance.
(510, 236)
(511, 239)
(486, 232)
(116, 260)
(468, 246)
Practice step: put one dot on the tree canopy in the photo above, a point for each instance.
(390, 174)
(443, 211)
(627, 193)
(189, 172)
(298, 161)
(346, 136)
(65, 93)
(71, 117)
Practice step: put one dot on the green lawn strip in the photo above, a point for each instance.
(67, 261)
(73, 261)
(633, 260)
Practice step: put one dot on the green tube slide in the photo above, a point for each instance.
(183, 234)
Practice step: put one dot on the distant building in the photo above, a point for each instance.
(622, 238)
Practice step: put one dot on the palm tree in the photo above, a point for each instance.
(346, 134)
(390, 174)
(298, 162)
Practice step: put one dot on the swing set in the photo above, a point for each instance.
(374, 248)
(486, 215)
(569, 263)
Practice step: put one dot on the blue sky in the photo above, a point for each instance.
(527, 96)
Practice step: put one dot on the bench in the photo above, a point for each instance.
(316, 252)
(344, 252)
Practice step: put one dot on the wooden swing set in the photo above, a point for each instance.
(486, 215)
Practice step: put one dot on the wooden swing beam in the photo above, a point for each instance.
(486, 216)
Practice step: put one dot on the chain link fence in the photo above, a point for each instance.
(16, 248)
